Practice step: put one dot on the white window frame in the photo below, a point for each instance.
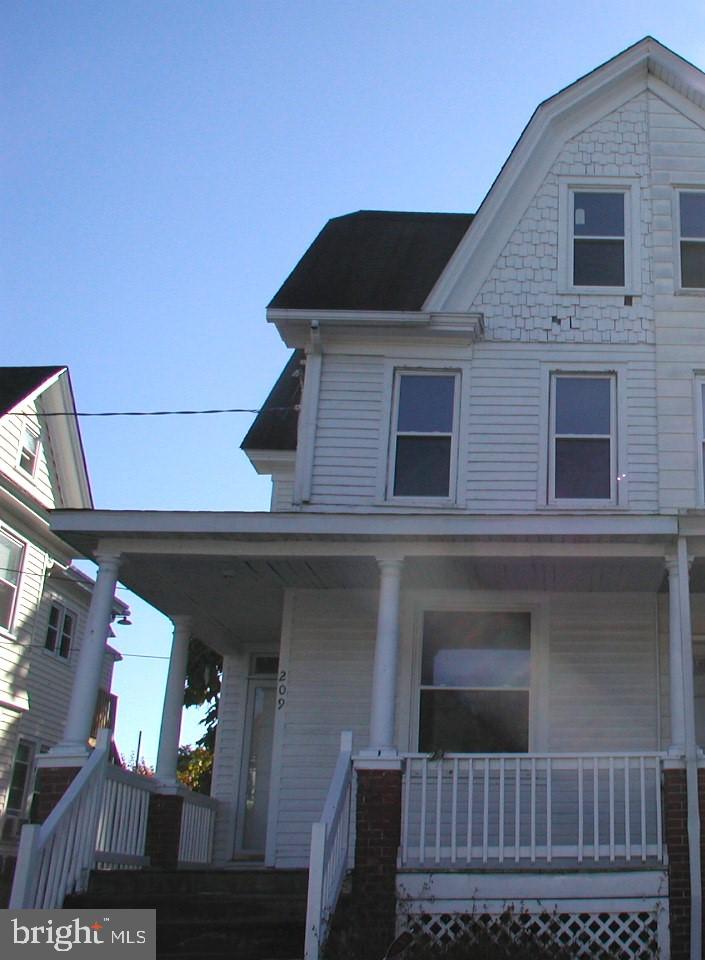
(30, 430)
(620, 497)
(416, 499)
(679, 189)
(630, 188)
(63, 611)
(16, 587)
(27, 789)
(484, 602)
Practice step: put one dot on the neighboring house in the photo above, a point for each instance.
(43, 600)
(486, 550)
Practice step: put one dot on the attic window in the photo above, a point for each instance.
(599, 251)
(692, 238)
(29, 451)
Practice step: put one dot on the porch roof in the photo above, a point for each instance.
(230, 571)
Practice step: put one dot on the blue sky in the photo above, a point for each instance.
(167, 163)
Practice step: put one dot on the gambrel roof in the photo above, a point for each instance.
(18, 383)
(373, 260)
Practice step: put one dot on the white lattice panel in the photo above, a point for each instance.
(619, 936)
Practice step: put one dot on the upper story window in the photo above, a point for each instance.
(599, 246)
(11, 553)
(598, 238)
(691, 216)
(60, 631)
(29, 450)
(17, 794)
(582, 451)
(424, 435)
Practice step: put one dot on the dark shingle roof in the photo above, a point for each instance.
(373, 260)
(276, 424)
(16, 383)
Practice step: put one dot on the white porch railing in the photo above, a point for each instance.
(122, 824)
(531, 809)
(329, 852)
(54, 859)
(197, 826)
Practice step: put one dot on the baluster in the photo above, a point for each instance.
(611, 787)
(581, 810)
(439, 802)
(422, 825)
(627, 812)
(471, 772)
(533, 809)
(517, 806)
(454, 814)
(549, 812)
(657, 790)
(486, 812)
(596, 807)
(501, 810)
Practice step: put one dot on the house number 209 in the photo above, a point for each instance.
(281, 690)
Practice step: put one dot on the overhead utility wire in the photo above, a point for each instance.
(151, 413)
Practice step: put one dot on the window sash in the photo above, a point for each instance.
(449, 437)
(556, 438)
(20, 780)
(691, 245)
(9, 577)
(29, 451)
(61, 630)
(587, 241)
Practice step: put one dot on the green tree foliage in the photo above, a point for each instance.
(194, 768)
(204, 671)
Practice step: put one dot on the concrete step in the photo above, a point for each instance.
(174, 883)
(211, 907)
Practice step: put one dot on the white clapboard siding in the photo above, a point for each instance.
(225, 787)
(603, 687)
(282, 491)
(330, 669)
(678, 155)
(506, 425)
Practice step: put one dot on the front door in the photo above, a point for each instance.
(257, 757)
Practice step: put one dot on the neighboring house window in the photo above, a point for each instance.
(691, 215)
(582, 450)
(700, 426)
(598, 238)
(61, 631)
(11, 553)
(29, 451)
(475, 679)
(424, 429)
(20, 780)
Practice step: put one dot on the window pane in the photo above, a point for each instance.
(598, 263)
(426, 404)
(10, 558)
(29, 451)
(20, 773)
(583, 469)
(583, 405)
(464, 649)
(599, 214)
(692, 214)
(422, 467)
(474, 721)
(692, 264)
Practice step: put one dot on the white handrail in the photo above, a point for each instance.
(531, 808)
(55, 858)
(329, 852)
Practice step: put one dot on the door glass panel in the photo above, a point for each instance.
(259, 768)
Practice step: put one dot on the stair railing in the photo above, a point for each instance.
(55, 858)
(329, 852)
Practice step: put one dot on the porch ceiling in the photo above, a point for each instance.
(235, 599)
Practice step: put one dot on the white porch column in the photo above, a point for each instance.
(90, 659)
(384, 675)
(675, 659)
(168, 752)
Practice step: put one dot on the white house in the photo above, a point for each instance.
(486, 550)
(43, 600)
